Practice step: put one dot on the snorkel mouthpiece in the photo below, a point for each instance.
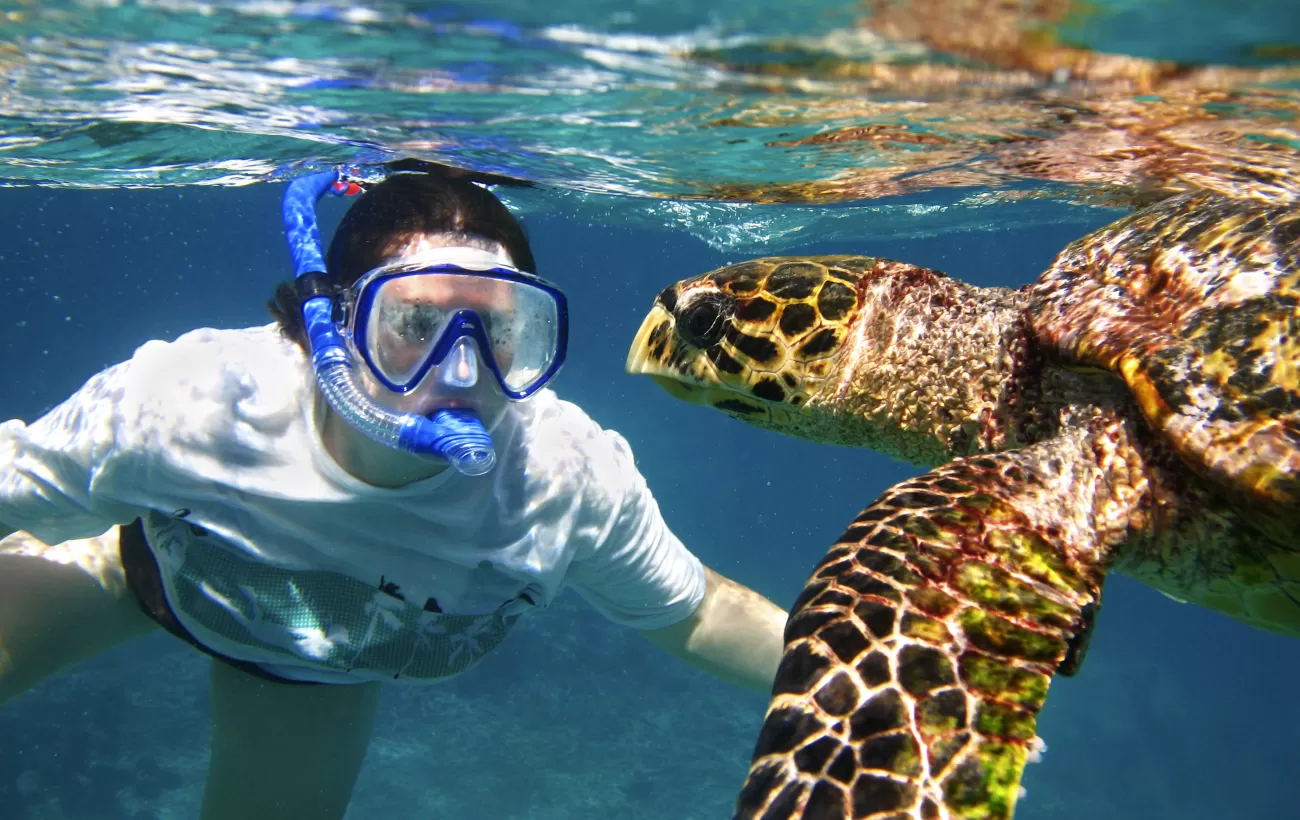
(456, 435)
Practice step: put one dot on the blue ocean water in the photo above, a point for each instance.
(146, 144)
(1178, 712)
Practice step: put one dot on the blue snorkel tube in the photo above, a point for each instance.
(454, 434)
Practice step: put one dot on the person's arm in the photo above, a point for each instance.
(47, 468)
(637, 573)
(735, 635)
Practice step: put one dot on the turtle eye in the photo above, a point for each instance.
(703, 320)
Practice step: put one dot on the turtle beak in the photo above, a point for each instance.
(651, 344)
(683, 391)
(652, 354)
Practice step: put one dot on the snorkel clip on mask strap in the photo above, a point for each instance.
(454, 434)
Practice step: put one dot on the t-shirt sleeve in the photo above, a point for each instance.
(637, 573)
(48, 468)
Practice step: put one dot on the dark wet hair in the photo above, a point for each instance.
(438, 199)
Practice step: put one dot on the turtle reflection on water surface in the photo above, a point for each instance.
(1135, 410)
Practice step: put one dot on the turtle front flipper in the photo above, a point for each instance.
(920, 652)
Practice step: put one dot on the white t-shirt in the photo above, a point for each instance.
(223, 424)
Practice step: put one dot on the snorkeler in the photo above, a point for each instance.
(374, 488)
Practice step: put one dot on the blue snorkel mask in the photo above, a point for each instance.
(522, 348)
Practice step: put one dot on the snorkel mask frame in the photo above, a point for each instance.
(461, 324)
(456, 435)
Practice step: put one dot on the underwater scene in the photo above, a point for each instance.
(145, 148)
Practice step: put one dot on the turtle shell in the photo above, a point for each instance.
(1195, 302)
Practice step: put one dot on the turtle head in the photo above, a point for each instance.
(760, 340)
(850, 350)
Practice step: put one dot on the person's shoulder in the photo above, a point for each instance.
(549, 422)
(207, 355)
(207, 345)
(563, 440)
(242, 371)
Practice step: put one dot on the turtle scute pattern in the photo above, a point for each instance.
(1196, 303)
(920, 652)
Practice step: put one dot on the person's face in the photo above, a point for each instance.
(463, 379)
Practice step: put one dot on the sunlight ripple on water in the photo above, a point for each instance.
(766, 101)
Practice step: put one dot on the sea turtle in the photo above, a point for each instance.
(1136, 409)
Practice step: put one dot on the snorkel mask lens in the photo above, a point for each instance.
(404, 322)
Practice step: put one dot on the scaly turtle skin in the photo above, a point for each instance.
(1134, 410)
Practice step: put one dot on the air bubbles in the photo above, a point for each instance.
(1037, 748)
